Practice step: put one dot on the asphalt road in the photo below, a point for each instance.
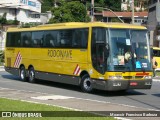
(149, 99)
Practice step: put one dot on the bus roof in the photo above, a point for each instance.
(78, 25)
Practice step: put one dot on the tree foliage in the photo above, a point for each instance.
(73, 11)
(47, 5)
(114, 5)
(3, 19)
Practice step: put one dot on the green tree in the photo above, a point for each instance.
(47, 5)
(3, 19)
(73, 11)
(114, 5)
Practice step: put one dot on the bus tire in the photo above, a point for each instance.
(31, 75)
(22, 74)
(86, 84)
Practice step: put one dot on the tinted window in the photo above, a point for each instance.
(13, 39)
(156, 53)
(80, 38)
(26, 39)
(65, 38)
(71, 38)
(37, 39)
(97, 51)
(51, 39)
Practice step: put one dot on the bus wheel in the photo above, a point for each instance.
(86, 84)
(31, 75)
(23, 74)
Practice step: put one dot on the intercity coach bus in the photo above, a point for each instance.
(96, 55)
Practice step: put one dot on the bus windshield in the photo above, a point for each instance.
(129, 50)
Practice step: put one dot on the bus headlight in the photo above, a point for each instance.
(147, 77)
(116, 77)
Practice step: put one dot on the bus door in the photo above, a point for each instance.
(100, 56)
(98, 50)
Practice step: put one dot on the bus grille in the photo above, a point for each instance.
(139, 77)
(133, 77)
(127, 77)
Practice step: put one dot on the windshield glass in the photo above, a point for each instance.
(129, 50)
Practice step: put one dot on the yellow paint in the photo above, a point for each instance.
(64, 61)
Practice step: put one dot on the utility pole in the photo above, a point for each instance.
(132, 11)
(92, 10)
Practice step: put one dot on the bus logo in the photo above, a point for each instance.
(77, 70)
(18, 60)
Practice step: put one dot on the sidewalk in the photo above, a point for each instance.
(156, 77)
(98, 107)
(1, 68)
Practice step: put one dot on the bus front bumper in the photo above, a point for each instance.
(115, 85)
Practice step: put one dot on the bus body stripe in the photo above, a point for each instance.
(141, 74)
(77, 70)
(15, 60)
(18, 60)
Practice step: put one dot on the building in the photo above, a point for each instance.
(124, 5)
(154, 22)
(108, 16)
(139, 5)
(25, 11)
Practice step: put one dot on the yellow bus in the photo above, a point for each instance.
(156, 55)
(90, 55)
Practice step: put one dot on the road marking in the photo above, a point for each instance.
(67, 97)
(43, 103)
(69, 108)
(156, 80)
(120, 118)
(53, 97)
(84, 99)
(2, 69)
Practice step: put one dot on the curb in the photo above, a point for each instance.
(2, 68)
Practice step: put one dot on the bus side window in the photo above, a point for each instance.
(158, 53)
(37, 38)
(26, 43)
(50, 38)
(13, 39)
(26, 39)
(80, 38)
(52, 43)
(155, 53)
(66, 38)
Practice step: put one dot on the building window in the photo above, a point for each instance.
(12, 12)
